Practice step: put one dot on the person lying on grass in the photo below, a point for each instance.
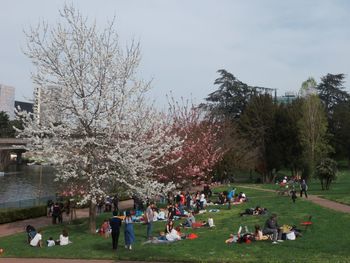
(254, 211)
(243, 236)
(258, 234)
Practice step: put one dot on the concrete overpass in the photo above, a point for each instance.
(10, 146)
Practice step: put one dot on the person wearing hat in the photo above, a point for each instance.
(129, 235)
(115, 222)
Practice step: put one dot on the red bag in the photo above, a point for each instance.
(192, 236)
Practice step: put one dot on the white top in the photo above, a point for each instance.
(50, 243)
(64, 240)
(161, 215)
(211, 222)
(155, 216)
(35, 241)
(202, 197)
(173, 235)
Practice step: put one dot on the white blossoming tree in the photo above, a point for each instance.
(92, 120)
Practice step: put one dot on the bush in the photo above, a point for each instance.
(15, 214)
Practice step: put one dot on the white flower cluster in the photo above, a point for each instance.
(92, 120)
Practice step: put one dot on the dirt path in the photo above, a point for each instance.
(53, 260)
(19, 226)
(315, 199)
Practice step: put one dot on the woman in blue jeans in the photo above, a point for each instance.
(129, 235)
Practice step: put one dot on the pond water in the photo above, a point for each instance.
(23, 182)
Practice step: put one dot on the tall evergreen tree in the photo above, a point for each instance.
(331, 91)
(232, 96)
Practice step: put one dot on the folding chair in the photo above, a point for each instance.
(307, 223)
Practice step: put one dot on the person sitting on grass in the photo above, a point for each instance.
(31, 232)
(50, 242)
(169, 226)
(63, 239)
(258, 234)
(37, 240)
(105, 229)
(189, 220)
(242, 197)
(271, 227)
(173, 236)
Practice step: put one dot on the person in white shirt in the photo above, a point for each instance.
(202, 201)
(37, 240)
(64, 239)
(50, 242)
(173, 235)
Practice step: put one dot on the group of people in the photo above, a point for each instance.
(113, 227)
(35, 238)
(56, 210)
(108, 204)
(271, 231)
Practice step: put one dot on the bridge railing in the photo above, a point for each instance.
(27, 202)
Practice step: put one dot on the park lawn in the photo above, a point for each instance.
(339, 190)
(325, 241)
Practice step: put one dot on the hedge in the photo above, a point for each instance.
(15, 214)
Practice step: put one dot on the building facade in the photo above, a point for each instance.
(7, 100)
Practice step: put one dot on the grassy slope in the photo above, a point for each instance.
(339, 190)
(324, 241)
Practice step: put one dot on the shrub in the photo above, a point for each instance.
(326, 171)
(15, 214)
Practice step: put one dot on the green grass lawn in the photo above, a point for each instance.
(325, 241)
(339, 190)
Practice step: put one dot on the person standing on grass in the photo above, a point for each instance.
(129, 235)
(115, 222)
(149, 219)
(303, 188)
(293, 194)
(56, 211)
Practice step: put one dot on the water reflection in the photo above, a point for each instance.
(25, 182)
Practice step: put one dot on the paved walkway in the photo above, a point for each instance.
(19, 226)
(315, 199)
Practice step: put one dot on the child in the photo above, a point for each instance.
(50, 242)
(293, 194)
(105, 229)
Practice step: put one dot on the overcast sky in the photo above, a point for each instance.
(271, 43)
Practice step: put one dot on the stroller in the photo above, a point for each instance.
(31, 232)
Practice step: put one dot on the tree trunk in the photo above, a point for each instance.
(322, 184)
(92, 217)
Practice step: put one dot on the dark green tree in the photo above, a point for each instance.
(257, 125)
(287, 138)
(5, 126)
(331, 91)
(341, 123)
(231, 98)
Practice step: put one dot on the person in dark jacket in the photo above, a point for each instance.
(271, 227)
(56, 212)
(303, 188)
(115, 223)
